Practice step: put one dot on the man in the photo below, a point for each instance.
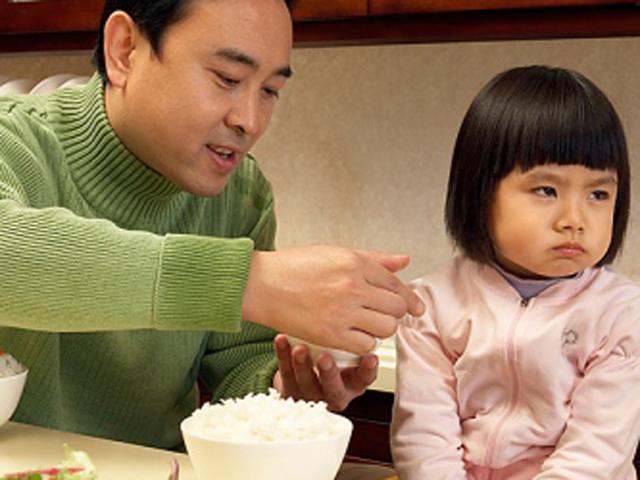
(136, 233)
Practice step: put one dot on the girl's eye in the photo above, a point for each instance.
(545, 191)
(599, 195)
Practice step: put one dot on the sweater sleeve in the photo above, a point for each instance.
(425, 431)
(235, 364)
(601, 436)
(65, 273)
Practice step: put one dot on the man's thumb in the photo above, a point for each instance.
(393, 263)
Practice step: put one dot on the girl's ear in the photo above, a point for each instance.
(121, 36)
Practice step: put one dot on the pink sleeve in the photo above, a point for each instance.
(425, 431)
(602, 433)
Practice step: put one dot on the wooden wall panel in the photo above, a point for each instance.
(324, 9)
(49, 16)
(390, 7)
(71, 24)
(521, 24)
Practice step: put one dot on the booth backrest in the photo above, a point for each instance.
(10, 85)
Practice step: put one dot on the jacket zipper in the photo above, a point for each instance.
(511, 360)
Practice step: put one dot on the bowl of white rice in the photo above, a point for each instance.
(265, 437)
(13, 376)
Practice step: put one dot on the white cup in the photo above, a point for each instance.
(342, 358)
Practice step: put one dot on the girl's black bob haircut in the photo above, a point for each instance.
(525, 117)
(153, 17)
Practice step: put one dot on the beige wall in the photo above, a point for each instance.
(359, 147)
(37, 66)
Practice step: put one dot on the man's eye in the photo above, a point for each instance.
(545, 191)
(599, 195)
(228, 81)
(270, 92)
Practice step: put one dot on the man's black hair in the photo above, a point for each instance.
(152, 17)
(524, 117)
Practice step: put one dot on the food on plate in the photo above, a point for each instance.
(175, 470)
(9, 366)
(265, 418)
(76, 466)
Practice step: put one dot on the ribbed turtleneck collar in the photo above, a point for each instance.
(111, 179)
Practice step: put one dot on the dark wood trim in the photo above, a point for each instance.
(521, 24)
(47, 42)
(370, 441)
(323, 9)
(371, 416)
(373, 405)
(391, 7)
(49, 15)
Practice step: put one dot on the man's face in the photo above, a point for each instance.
(192, 112)
(552, 220)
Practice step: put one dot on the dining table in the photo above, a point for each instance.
(27, 447)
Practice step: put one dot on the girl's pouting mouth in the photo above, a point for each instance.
(569, 249)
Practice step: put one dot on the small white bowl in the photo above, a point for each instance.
(317, 459)
(342, 358)
(10, 393)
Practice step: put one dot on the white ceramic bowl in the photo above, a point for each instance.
(10, 393)
(317, 459)
(343, 359)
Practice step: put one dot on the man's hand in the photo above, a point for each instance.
(330, 296)
(297, 378)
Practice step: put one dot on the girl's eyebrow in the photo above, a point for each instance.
(544, 177)
(604, 179)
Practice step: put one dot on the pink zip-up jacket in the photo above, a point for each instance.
(491, 387)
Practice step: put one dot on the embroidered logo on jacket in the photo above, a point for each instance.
(569, 337)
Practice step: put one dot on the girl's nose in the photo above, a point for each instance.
(570, 217)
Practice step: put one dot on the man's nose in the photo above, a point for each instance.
(244, 117)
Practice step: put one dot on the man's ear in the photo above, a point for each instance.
(121, 36)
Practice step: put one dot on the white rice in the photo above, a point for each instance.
(265, 418)
(9, 366)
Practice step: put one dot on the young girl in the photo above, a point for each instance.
(527, 362)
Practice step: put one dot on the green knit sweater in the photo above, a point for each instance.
(117, 288)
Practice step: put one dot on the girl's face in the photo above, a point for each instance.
(553, 220)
